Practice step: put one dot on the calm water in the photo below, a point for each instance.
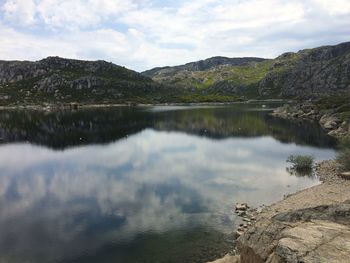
(145, 185)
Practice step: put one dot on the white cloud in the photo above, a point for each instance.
(335, 7)
(79, 13)
(144, 34)
(19, 11)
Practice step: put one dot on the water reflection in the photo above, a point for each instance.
(162, 194)
(63, 129)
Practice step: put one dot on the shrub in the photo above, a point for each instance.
(301, 164)
(344, 153)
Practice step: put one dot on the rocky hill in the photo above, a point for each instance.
(217, 75)
(311, 72)
(59, 80)
(308, 73)
(201, 65)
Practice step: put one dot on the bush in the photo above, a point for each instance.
(301, 164)
(344, 153)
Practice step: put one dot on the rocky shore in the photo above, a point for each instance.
(312, 225)
(332, 121)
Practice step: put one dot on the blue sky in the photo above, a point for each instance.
(141, 34)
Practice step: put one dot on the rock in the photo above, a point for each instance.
(345, 175)
(238, 233)
(241, 213)
(338, 132)
(241, 207)
(316, 234)
(227, 259)
(316, 241)
(330, 124)
(309, 73)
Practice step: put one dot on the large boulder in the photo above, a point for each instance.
(318, 234)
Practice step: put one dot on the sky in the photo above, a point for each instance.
(142, 34)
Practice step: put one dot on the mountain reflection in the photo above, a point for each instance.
(144, 186)
(62, 129)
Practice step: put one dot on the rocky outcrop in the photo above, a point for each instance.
(309, 73)
(318, 234)
(309, 226)
(331, 121)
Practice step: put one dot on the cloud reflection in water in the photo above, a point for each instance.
(151, 182)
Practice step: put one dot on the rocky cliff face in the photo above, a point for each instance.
(309, 73)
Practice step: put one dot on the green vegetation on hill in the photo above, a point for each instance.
(57, 80)
(312, 73)
(309, 73)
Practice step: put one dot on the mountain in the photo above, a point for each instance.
(201, 65)
(309, 73)
(214, 76)
(60, 80)
(317, 72)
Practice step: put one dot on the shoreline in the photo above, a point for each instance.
(330, 120)
(76, 105)
(269, 238)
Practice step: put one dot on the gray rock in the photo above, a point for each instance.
(241, 207)
(318, 234)
(330, 125)
(345, 175)
(310, 73)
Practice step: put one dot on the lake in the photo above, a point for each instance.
(142, 184)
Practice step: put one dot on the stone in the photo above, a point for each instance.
(345, 175)
(241, 213)
(238, 233)
(315, 234)
(331, 124)
(227, 259)
(241, 207)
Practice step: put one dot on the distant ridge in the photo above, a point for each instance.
(309, 73)
(201, 65)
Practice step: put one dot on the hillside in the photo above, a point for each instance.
(201, 65)
(59, 80)
(311, 72)
(308, 73)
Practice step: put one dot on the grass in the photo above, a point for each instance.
(301, 164)
(207, 98)
(247, 76)
(344, 153)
